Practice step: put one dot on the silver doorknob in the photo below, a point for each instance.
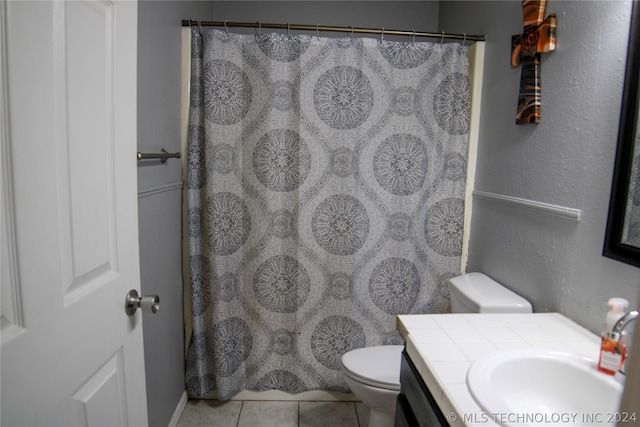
(147, 303)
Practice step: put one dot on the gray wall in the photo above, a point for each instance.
(160, 197)
(399, 15)
(566, 160)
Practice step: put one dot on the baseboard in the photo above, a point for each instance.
(173, 422)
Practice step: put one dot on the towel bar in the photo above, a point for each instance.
(163, 155)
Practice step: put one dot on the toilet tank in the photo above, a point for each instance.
(478, 293)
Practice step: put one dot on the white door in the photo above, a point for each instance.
(70, 354)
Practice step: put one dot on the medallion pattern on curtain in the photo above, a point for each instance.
(325, 194)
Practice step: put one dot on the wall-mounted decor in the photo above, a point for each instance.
(539, 36)
(622, 240)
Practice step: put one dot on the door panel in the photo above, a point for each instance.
(99, 401)
(70, 86)
(84, 140)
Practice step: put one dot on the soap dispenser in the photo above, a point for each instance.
(612, 347)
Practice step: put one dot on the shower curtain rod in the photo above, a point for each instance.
(381, 32)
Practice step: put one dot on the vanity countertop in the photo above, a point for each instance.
(443, 346)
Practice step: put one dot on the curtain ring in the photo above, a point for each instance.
(200, 27)
(288, 29)
(465, 39)
(382, 35)
(414, 36)
(259, 29)
(442, 39)
(351, 34)
(225, 26)
(318, 31)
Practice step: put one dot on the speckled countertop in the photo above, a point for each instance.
(443, 347)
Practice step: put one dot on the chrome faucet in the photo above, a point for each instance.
(616, 334)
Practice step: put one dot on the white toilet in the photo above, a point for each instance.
(373, 373)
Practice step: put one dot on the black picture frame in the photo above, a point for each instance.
(614, 246)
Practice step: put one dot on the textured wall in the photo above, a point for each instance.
(566, 160)
(160, 197)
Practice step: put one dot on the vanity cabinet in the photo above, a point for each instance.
(415, 406)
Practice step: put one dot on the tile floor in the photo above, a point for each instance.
(251, 413)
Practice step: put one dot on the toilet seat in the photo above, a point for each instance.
(375, 366)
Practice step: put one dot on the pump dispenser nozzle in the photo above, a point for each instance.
(618, 304)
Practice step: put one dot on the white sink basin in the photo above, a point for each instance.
(531, 386)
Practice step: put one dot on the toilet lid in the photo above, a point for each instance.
(376, 366)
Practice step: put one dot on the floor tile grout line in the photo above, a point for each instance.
(356, 411)
(239, 413)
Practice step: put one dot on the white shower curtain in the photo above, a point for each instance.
(325, 192)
